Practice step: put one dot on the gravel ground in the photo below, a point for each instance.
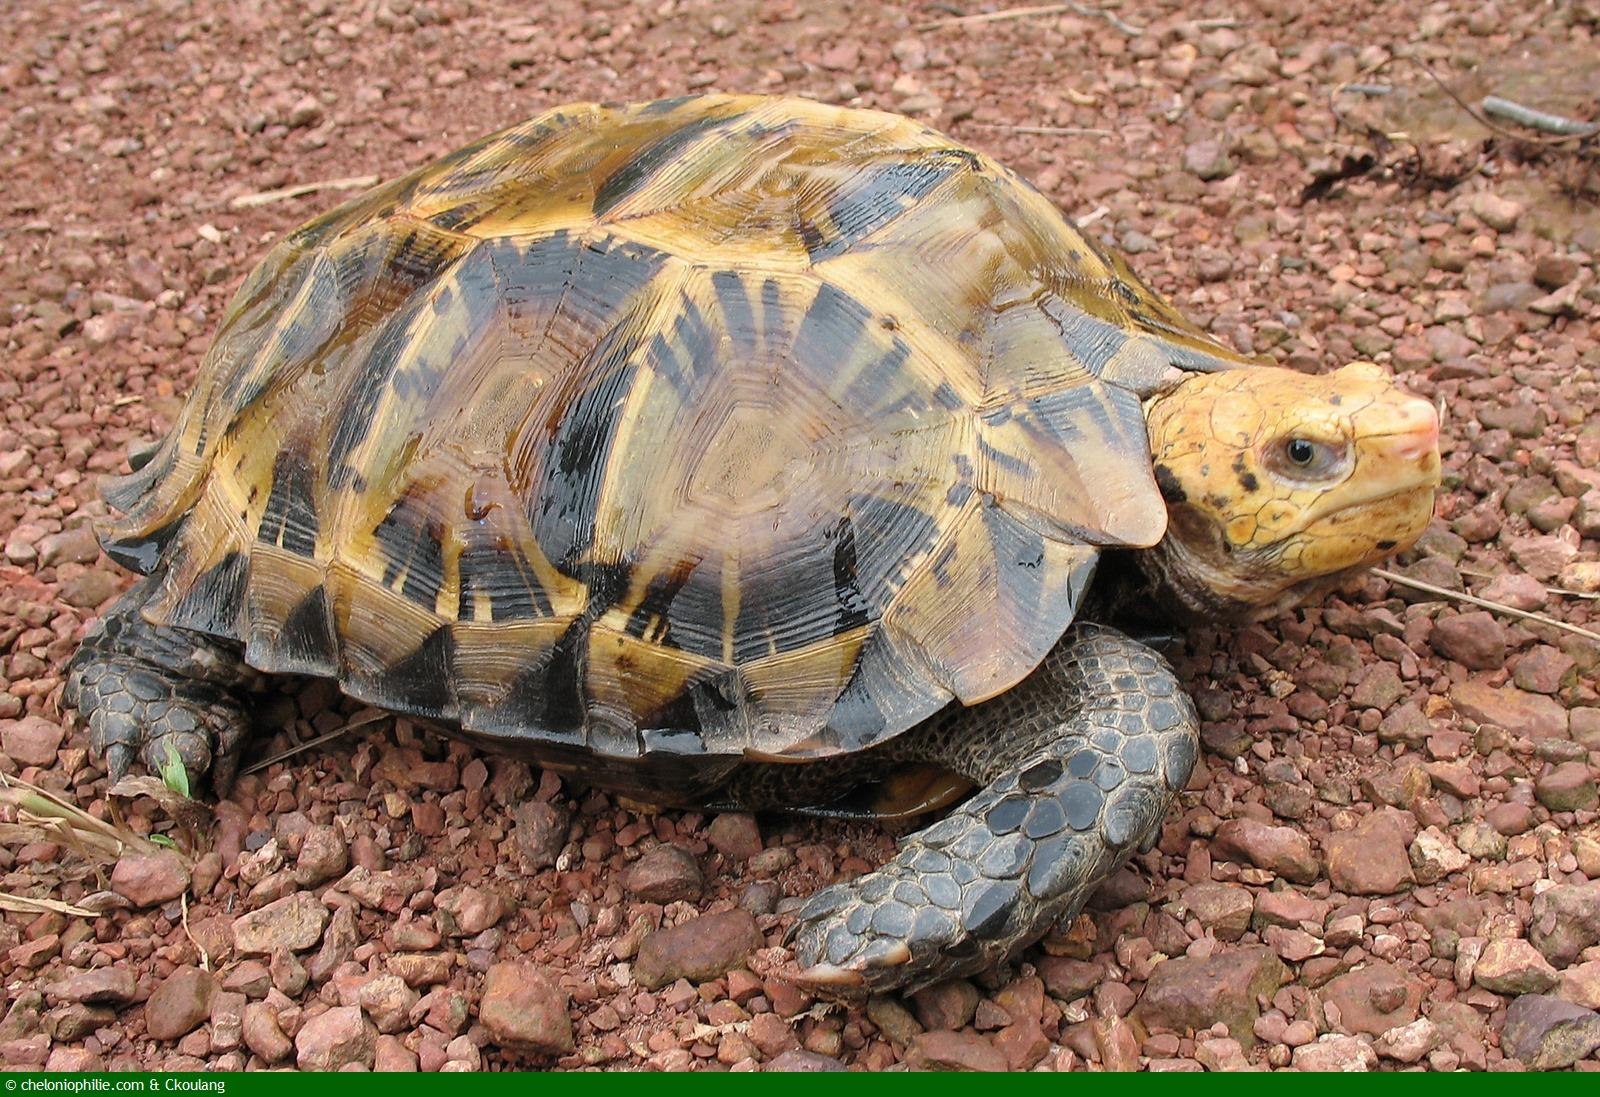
(1390, 857)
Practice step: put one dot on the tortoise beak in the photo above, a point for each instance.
(1401, 438)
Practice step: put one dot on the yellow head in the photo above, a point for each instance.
(1278, 483)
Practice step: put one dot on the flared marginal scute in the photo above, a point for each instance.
(206, 568)
(1074, 465)
(153, 507)
(648, 683)
(289, 626)
(152, 499)
(393, 653)
(213, 602)
(501, 679)
(798, 692)
(1028, 585)
(891, 686)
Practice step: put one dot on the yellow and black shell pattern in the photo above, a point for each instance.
(732, 426)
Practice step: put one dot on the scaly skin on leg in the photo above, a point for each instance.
(146, 692)
(1081, 762)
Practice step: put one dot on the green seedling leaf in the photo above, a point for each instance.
(173, 774)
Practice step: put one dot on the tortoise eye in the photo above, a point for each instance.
(1304, 459)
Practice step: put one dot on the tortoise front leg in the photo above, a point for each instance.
(1081, 762)
(153, 693)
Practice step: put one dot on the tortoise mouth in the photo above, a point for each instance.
(1213, 582)
(1360, 534)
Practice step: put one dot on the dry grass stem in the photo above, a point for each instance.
(283, 194)
(301, 748)
(69, 824)
(27, 904)
(1047, 131)
(1032, 12)
(1497, 607)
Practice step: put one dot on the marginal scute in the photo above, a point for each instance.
(704, 428)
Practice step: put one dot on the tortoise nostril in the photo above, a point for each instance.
(1422, 437)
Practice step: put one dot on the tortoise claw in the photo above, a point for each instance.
(830, 978)
(119, 759)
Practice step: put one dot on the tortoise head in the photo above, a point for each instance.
(1278, 484)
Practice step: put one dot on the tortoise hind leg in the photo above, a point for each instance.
(1080, 764)
(151, 693)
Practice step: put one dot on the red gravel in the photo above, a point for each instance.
(1393, 843)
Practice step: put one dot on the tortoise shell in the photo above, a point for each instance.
(726, 425)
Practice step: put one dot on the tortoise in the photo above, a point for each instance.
(744, 452)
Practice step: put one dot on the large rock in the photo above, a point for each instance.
(339, 942)
(342, 1037)
(1580, 984)
(180, 1003)
(1434, 856)
(699, 949)
(954, 1051)
(1282, 850)
(31, 741)
(1067, 979)
(1409, 1043)
(1373, 999)
(735, 835)
(77, 545)
(1569, 786)
(1547, 1033)
(1566, 920)
(796, 1061)
(1372, 859)
(523, 1010)
(149, 879)
(1335, 1054)
(293, 923)
(1224, 909)
(388, 1001)
(106, 986)
(1475, 640)
(950, 1004)
(1190, 993)
(665, 874)
(263, 1035)
(1519, 712)
(324, 854)
(1510, 965)
(541, 831)
(468, 911)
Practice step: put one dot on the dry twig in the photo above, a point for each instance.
(94, 838)
(268, 197)
(1031, 12)
(1047, 131)
(28, 904)
(1474, 600)
(301, 748)
(205, 957)
(1091, 217)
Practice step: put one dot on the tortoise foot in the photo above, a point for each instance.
(970, 891)
(157, 696)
